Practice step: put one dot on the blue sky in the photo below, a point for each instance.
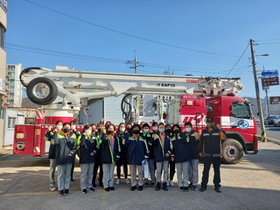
(192, 37)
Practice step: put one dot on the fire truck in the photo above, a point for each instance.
(63, 93)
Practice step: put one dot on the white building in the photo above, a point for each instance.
(3, 29)
(16, 116)
(13, 85)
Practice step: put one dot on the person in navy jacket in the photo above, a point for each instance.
(181, 156)
(88, 147)
(108, 148)
(137, 151)
(162, 153)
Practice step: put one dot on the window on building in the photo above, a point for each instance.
(2, 31)
(11, 122)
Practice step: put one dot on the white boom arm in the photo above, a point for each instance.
(71, 89)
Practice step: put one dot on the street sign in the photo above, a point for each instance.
(269, 73)
(274, 100)
(269, 81)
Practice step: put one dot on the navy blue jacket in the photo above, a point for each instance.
(121, 147)
(160, 150)
(65, 145)
(108, 154)
(148, 137)
(88, 144)
(193, 144)
(49, 136)
(211, 143)
(180, 148)
(137, 150)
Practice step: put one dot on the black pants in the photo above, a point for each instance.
(119, 163)
(97, 165)
(73, 165)
(171, 169)
(216, 165)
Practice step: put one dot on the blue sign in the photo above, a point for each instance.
(243, 124)
(269, 73)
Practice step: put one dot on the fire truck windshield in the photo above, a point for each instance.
(241, 110)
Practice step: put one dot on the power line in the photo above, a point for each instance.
(238, 60)
(126, 34)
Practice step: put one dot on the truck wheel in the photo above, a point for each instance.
(42, 91)
(232, 151)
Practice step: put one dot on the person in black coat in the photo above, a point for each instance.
(121, 153)
(193, 137)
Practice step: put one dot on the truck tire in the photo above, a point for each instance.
(232, 151)
(42, 91)
(24, 71)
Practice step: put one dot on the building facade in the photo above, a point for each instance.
(13, 96)
(3, 28)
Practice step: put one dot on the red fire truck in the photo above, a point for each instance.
(63, 93)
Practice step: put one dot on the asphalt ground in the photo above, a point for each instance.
(251, 184)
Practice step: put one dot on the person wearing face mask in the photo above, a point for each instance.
(49, 136)
(147, 135)
(66, 147)
(162, 153)
(128, 128)
(211, 151)
(181, 156)
(121, 153)
(88, 148)
(108, 148)
(168, 132)
(73, 126)
(98, 165)
(193, 139)
(137, 151)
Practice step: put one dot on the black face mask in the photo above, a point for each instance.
(100, 130)
(128, 130)
(110, 132)
(66, 130)
(176, 131)
(136, 131)
(168, 130)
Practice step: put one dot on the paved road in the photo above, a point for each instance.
(252, 184)
(272, 133)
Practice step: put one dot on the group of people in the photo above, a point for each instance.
(162, 146)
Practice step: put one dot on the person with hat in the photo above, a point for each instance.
(211, 150)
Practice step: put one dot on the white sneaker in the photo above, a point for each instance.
(118, 181)
(171, 183)
(52, 188)
(167, 183)
(127, 181)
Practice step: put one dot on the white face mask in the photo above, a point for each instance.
(88, 132)
(146, 130)
(122, 129)
(59, 127)
(73, 127)
(188, 130)
(155, 128)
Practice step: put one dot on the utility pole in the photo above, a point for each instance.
(263, 132)
(135, 63)
(267, 100)
(266, 95)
